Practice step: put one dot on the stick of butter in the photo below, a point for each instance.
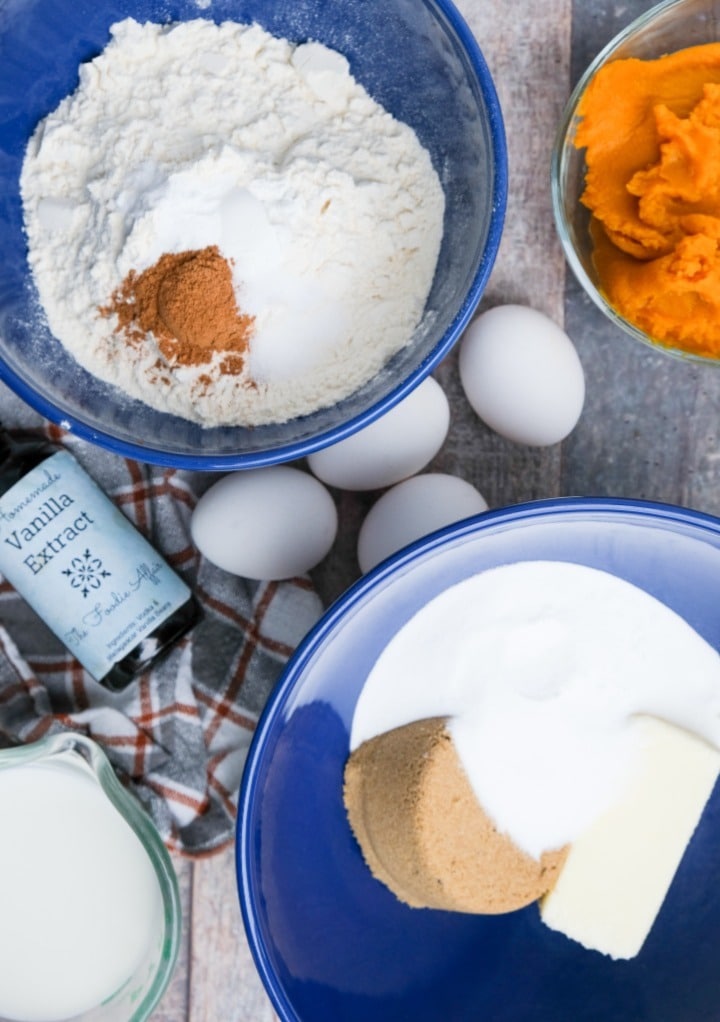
(617, 873)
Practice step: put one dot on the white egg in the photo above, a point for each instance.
(397, 445)
(522, 375)
(412, 509)
(266, 523)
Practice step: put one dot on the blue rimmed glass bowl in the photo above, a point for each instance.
(416, 57)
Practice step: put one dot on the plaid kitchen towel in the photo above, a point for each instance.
(179, 736)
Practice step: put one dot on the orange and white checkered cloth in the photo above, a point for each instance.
(179, 736)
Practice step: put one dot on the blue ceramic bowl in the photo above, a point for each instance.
(331, 942)
(416, 57)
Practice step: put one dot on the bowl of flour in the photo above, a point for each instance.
(233, 233)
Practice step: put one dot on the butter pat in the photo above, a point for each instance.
(617, 873)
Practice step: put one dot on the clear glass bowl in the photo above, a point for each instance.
(416, 57)
(669, 26)
(139, 995)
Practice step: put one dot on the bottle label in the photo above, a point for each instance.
(84, 568)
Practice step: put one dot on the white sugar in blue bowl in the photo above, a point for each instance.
(417, 59)
(331, 941)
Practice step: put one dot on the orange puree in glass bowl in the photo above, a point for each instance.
(651, 131)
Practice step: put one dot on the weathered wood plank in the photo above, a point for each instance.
(224, 982)
(175, 1003)
(529, 57)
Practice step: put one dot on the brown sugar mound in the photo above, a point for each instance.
(423, 833)
(186, 300)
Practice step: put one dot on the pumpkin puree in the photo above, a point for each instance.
(651, 131)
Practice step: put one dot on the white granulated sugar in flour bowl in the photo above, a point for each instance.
(180, 137)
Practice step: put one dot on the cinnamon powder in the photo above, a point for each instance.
(186, 300)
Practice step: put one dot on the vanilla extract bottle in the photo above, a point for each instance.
(83, 567)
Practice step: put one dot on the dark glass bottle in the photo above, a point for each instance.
(82, 565)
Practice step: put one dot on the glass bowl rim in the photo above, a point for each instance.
(561, 146)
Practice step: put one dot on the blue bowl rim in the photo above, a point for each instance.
(641, 510)
(301, 448)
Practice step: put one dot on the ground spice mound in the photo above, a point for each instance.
(186, 300)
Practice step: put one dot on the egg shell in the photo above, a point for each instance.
(397, 445)
(412, 509)
(522, 375)
(266, 523)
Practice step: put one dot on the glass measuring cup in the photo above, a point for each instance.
(91, 908)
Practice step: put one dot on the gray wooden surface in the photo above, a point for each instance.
(649, 428)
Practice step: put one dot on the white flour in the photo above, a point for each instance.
(197, 134)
